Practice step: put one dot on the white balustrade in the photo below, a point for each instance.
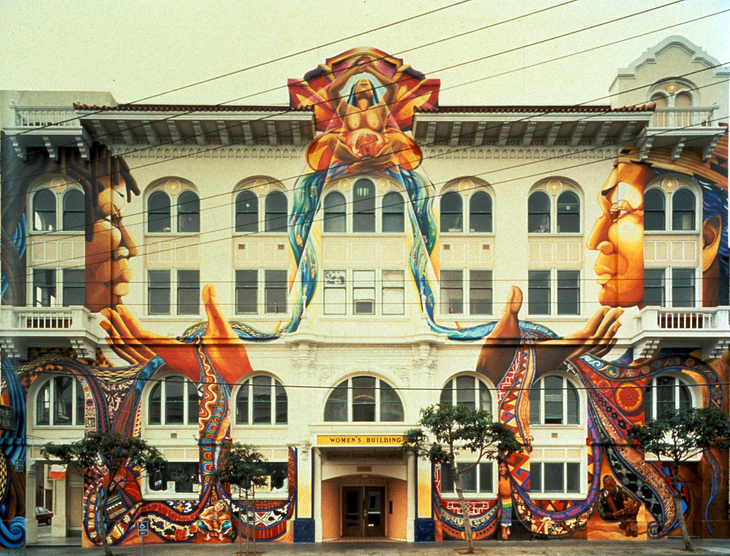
(684, 117)
(32, 117)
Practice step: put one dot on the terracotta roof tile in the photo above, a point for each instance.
(188, 108)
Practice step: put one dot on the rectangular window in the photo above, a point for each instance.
(478, 479)
(261, 400)
(452, 292)
(568, 292)
(275, 291)
(683, 287)
(393, 292)
(188, 292)
(555, 477)
(480, 292)
(654, 287)
(538, 292)
(247, 291)
(158, 292)
(44, 287)
(74, 286)
(335, 292)
(363, 292)
(175, 477)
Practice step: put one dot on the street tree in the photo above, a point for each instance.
(446, 430)
(103, 455)
(241, 465)
(678, 436)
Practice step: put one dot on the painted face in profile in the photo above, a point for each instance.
(107, 255)
(618, 235)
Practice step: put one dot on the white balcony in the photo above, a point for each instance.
(696, 327)
(680, 128)
(685, 117)
(24, 327)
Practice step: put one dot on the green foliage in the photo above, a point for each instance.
(680, 435)
(447, 429)
(240, 465)
(100, 453)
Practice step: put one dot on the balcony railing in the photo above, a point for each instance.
(37, 117)
(707, 319)
(685, 117)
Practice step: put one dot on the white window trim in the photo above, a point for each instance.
(185, 186)
(378, 287)
(553, 305)
(466, 292)
(582, 405)
(553, 197)
(52, 390)
(261, 293)
(669, 290)
(250, 425)
(482, 495)
(582, 491)
(669, 206)
(59, 195)
(173, 295)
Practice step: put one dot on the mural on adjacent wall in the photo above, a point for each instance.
(364, 101)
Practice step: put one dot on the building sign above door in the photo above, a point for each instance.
(359, 440)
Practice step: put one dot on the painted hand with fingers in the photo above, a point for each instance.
(224, 348)
(596, 338)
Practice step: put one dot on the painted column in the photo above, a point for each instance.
(304, 523)
(31, 524)
(317, 489)
(411, 496)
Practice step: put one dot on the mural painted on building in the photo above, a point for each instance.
(364, 102)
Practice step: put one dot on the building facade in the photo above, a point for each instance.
(306, 277)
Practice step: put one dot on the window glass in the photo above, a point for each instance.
(188, 212)
(654, 211)
(363, 292)
(664, 394)
(568, 292)
(276, 212)
(158, 212)
(393, 292)
(480, 212)
(465, 393)
(451, 212)
(154, 405)
(568, 213)
(480, 292)
(63, 401)
(188, 292)
(275, 291)
(175, 477)
(390, 407)
(335, 294)
(158, 292)
(281, 412)
(247, 212)
(538, 292)
(336, 407)
(683, 210)
(246, 291)
(44, 287)
(261, 400)
(683, 287)
(553, 478)
(538, 213)
(242, 404)
(574, 476)
(480, 475)
(363, 398)
(335, 212)
(74, 286)
(467, 390)
(393, 215)
(43, 405)
(554, 400)
(468, 477)
(363, 207)
(74, 211)
(44, 211)
(654, 287)
(452, 292)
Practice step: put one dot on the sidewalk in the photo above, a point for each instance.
(665, 547)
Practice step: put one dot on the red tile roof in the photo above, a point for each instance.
(189, 108)
(592, 108)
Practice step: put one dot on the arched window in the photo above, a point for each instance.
(660, 100)
(173, 401)
(480, 212)
(74, 211)
(276, 212)
(44, 211)
(188, 212)
(334, 212)
(554, 400)
(654, 210)
(158, 212)
(247, 212)
(451, 212)
(60, 401)
(568, 213)
(363, 399)
(261, 400)
(683, 210)
(664, 394)
(393, 218)
(468, 391)
(538, 213)
(363, 207)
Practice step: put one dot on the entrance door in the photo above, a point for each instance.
(363, 510)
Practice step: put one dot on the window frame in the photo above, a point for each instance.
(489, 211)
(349, 387)
(458, 223)
(36, 215)
(276, 216)
(568, 473)
(363, 208)
(67, 211)
(190, 398)
(248, 388)
(671, 286)
(189, 209)
(241, 224)
(450, 392)
(484, 471)
(77, 402)
(552, 214)
(392, 212)
(334, 213)
(567, 387)
(680, 384)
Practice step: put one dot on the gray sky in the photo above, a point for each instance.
(136, 49)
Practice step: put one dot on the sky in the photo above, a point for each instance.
(484, 52)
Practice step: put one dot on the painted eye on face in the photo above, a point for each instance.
(620, 209)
